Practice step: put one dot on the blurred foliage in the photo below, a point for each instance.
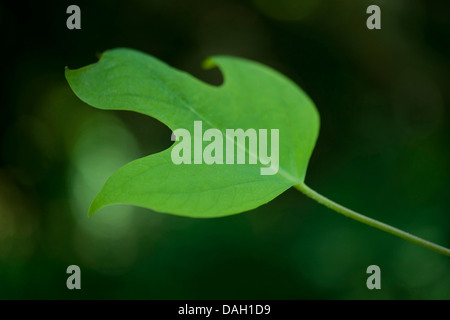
(383, 150)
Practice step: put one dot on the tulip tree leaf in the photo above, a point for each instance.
(252, 96)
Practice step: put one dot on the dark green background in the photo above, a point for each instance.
(383, 150)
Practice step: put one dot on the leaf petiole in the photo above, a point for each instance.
(369, 221)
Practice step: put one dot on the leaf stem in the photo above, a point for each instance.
(369, 221)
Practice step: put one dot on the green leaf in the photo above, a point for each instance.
(252, 96)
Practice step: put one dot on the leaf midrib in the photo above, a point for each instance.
(281, 171)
